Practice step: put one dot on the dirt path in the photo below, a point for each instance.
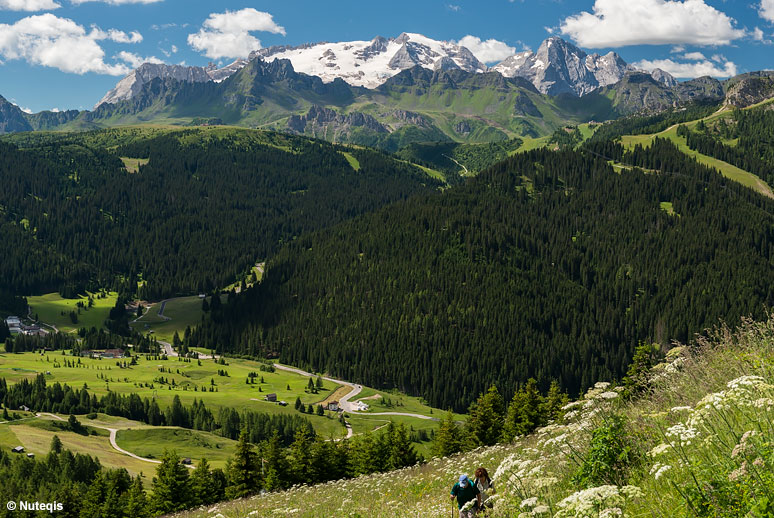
(113, 443)
(467, 173)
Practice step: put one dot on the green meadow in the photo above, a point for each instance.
(179, 313)
(54, 310)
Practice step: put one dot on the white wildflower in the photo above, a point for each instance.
(529, 502)
(678, 409)
(682, 432)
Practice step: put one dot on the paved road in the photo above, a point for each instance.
(344, 402)
(418, 416)
(161, 309)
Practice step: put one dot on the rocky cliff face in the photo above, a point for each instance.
(319, 119)
(132, 84)
(749, 89)
(12, 118)
(558, 67)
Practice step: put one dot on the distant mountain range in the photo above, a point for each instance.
(392, 92)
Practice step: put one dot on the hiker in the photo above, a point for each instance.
(465, 491)
(485, 487)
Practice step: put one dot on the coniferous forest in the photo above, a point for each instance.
(547, 265)
(198, 214)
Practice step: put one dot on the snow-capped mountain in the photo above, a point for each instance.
(132, 84)
(560, 67)
(371, 63)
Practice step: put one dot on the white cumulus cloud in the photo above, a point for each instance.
(618, 23)
(61, 43)
(227, 35)
(28, 5)
(134, 61)
(489, 51)
(694, 56)
(767, 10)
(117, 2)
(689, 70)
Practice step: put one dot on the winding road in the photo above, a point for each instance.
(113, 443)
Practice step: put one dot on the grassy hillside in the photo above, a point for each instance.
(729, 171)
(54, 310)
(102, 376)
(698, 443)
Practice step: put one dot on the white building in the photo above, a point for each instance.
(14, 324)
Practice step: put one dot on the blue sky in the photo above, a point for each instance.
(68, 53)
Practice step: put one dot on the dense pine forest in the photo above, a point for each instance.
(548, 265)
(203, 208)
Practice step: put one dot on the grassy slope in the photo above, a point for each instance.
(179, 312)
(49, 309)
(233, 391)
(151, 442)
(729, 171)
(538, 470)
(37, 440)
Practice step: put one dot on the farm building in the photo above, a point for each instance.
(271, 397)
(18, 449)
(333, 406)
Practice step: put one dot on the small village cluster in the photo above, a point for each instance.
(16, 327)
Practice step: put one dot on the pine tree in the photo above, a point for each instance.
(202, 484)
(136, 502)
(91, 506)
(487, 415)
(402, 452)
(525, 413)
(56, 445)
(554, 401)
(300, 457)
(276, 465)
(243, 472)
(448, 438)
(171, 488)
(637, 379)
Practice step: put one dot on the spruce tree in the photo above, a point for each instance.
(487, 415)
(525, 413)
(171, 488)
(91, 506)
(202, 486)
(448, 438)
(243, 471)
(136, 501)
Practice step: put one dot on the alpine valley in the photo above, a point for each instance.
(337, 279)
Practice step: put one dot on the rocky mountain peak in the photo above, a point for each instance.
(560, 67)
(132, 84)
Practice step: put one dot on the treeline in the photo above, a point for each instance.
(86, 340)
(754, 149)
(63, 399)
(547, 265)
(194, 218)
(707, 145)
(492, 420)
(645, 124)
